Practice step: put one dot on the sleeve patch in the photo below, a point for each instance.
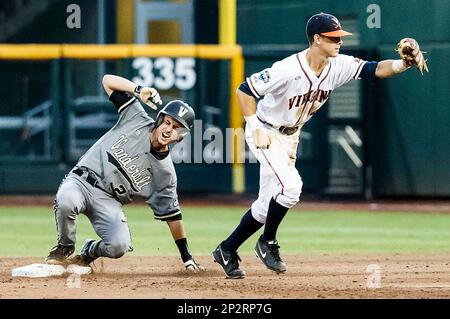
(264, 76)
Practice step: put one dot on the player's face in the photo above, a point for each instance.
(168, 132)
(331, 45)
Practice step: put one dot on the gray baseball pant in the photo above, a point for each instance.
(105, 213)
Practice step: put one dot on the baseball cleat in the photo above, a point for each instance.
(229, 260)
(84, 258)
(59, 255)
(268, 252)
(192, 266)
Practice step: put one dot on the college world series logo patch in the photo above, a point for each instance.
(264, 76)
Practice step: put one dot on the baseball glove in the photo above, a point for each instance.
(410, 53)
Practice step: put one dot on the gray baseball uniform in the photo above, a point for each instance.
(120, 166)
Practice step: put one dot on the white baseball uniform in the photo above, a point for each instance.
(291, 93)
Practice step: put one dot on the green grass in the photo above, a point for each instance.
(30, 231)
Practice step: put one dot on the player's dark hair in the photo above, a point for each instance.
(310, 39)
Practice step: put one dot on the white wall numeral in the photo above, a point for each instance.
(144, 67)
(165, 73)
(185, 73)
(166, 78)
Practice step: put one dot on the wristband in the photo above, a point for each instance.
(137, 90)
(253, 122)
(398, 66)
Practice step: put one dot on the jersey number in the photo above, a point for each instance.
(165, 73)
(120, 190)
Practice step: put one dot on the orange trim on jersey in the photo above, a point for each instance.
(322, 81)
(278, 177)
(359, 69)
(318, 88)
(326, 74)
(309, 90)
(300, 62)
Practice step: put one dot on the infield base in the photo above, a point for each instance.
(46, 270)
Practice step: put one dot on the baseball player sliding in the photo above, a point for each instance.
(131, 160)
(290, 92)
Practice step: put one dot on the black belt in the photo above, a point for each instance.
(90, 179)
(286, 130)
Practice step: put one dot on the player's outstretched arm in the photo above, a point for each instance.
(390, 68)
(148, 95)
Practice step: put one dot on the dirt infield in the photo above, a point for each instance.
(319, 276)
(322, 276)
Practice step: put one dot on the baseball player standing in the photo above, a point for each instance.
(131, 160)
(290, 92)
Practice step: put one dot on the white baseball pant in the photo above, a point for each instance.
(278, 177)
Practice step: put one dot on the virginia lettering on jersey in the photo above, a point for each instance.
(311, 96)
(123, 162)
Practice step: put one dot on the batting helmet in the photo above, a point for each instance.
(180, 111)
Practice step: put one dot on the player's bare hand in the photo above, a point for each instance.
(150, 97)
(261, 138)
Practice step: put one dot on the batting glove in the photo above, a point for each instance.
(192, 266)
(149, 96)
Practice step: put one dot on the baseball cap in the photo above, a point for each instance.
(325, 24)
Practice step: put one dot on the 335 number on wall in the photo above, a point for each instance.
(165, 73)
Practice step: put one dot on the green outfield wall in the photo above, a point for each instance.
(403, 122)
